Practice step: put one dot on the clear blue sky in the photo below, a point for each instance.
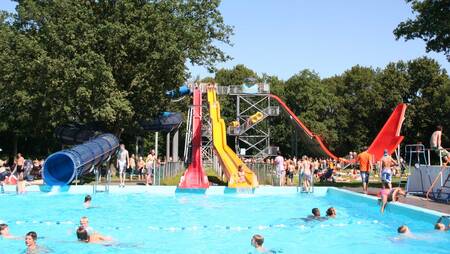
(283, 37)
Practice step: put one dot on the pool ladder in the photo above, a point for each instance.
(96, 170)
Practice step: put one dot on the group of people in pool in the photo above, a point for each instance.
(439, 226)
(30, 240)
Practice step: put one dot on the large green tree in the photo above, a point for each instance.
(432, 24)
(108, 61)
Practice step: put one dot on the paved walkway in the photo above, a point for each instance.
(412, 200)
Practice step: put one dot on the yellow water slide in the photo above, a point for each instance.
(228, 157)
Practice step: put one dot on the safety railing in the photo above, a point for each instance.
(265, 172)
(419, 154)
(166, 170)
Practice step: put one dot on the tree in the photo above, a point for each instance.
(432, 24)
(310, 99)
(108, 61)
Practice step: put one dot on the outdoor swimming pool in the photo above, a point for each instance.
(218, 223)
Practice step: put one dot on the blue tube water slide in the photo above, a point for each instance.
(62, 167)
(179, 92)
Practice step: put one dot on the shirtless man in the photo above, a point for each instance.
(386, 168)
(150, 164)
(123, 161)
(306, 173)
(436, 145)
(20, 170)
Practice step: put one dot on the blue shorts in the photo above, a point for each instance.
(365, 177)
(386, 177)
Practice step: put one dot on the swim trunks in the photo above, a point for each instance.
(122, 166)
(386, 176)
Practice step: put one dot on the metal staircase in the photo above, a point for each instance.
(441, 192)
(249, 123)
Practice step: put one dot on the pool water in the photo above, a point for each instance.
(193, 223)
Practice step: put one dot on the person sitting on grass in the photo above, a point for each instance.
(84, 236)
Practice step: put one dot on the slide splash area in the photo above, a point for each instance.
(62, 167)
(195, 176)
(230, 161)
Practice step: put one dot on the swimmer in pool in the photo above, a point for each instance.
(257, 242)
(439, 227)
(331, 212)
(84, 236)
(440, 223)
(84, 222)
(87, 201)
(315, 216)
(404, 231)
(32, 247)
(4, 232)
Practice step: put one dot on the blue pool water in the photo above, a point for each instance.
(194, 223)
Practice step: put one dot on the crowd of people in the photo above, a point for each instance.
(136, 166)
(20, 171)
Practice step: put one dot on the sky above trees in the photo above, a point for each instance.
(328, 37)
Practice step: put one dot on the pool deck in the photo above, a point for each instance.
(411, 200)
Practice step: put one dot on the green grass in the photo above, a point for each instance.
(213, 178)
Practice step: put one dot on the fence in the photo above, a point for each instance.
(265, 172)
(166, 170)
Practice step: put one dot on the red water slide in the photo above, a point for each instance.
(195, 176)
(317, 144)
(389, 137)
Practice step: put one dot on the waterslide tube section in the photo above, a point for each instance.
(389, 137)
(195, 176)
(317, 145)
(230, 161)
(62, 167)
